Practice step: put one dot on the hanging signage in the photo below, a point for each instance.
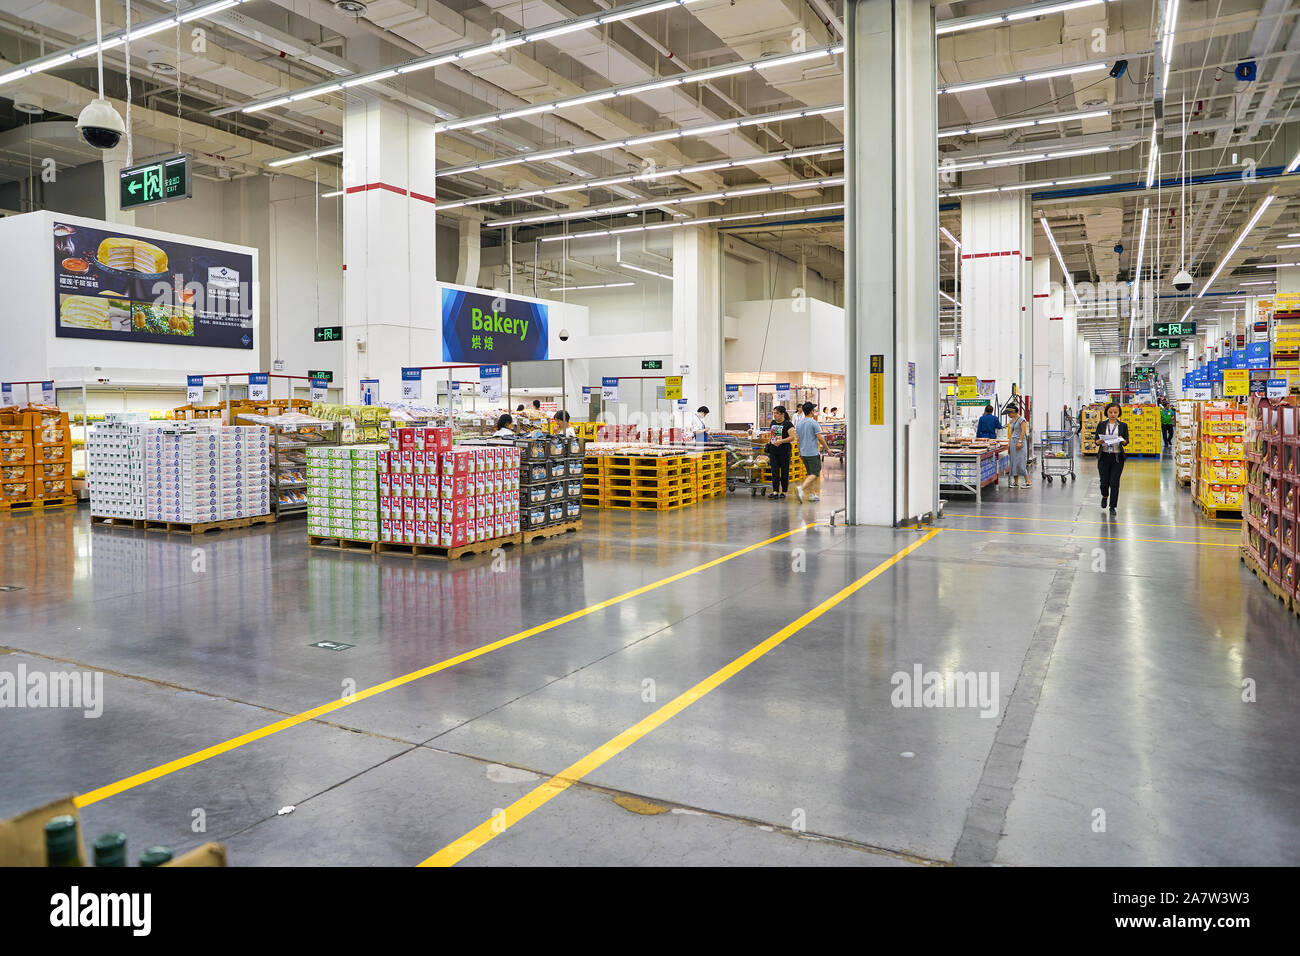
(194, 389)
(370, 391)
(609, 388)
(482, 327)
(158, 180)
(329, 333)
(1200, 392)
(1260, 327)
(47, 393)
(412, 383)
(1237, 358)
(877, 390)
(1257, 355)
(783, 394)
(733, 394)
(489, 378)
(1100, 393)
(1175, 328)
(967, 386)
(259, 387)
(672, 387)
(652, 365)
(1276, 388)
(1163, 344)
(318, 387)
(6, 394)
(1236, 382)
(586, 394)
(120, 286)
(324, 374)
(1144, 371)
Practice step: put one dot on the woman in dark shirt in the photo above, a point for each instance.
(779, 451)
(988, 425)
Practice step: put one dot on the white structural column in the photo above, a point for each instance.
(1070, 340)
(891, 258)
(392, 317)
(1052, 347)
(697, 319)
(1041, 295)
(113, 161)
(996, 239)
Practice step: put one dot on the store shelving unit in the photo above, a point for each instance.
(1221, 468)
(291, 435)
(1270, 532)
(971, 471)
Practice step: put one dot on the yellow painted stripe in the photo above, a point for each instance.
(1127, 524)
(456, 851)
(1099, 537)
(162, 770)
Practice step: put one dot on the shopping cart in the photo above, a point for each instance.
(1057, 456)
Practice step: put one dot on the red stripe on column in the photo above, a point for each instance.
(1042, 295)
(391, 189)
(1056, 318)
(988, 255)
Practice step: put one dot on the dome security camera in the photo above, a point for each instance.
(1183, 281)
(100, 125)
(564, 335)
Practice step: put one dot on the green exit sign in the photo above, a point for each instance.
(321, 373)
(329, 333)
(156, 181)
(1160, 344)
(1144, 371)
(651, 365)
(1175, 328)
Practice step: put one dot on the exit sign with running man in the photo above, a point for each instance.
(158, 180)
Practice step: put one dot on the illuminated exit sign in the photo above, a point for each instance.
(156, 181)
(1175, 328)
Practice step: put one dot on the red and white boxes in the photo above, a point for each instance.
(434, 493)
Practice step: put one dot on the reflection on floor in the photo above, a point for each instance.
(1101, 720)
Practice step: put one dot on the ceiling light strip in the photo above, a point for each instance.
(1022, 124)
(54, 60)
(980, 20)
(771, 213)
(1232, 250)
(1024, 77)
(478, 49)
(1069, 279)
(643, 177)
(1022, 158)
(618, 208)
(943, 230)
(683, 133)
(309, 154)
(585, 288)
(632, 89)
(1017, 187)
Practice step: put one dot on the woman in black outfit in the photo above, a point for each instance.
(779, 451)
(1110, 456)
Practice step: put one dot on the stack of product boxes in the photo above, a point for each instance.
(1222, 467)
(182, 472)
(434, 493)
(115, 466)
(245, 471)
(35, 453)
(551, 477)
(343, 491)
(1185, 441)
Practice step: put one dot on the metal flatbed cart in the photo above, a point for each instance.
(1057, 456)
(746, 463)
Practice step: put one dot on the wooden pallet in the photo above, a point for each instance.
(1185, 482)
(449, 554)
(551, 531)
(1216, 513)
(1274, 588)
(342, 544)
(37, 504)
(204, 527)
(109, 522)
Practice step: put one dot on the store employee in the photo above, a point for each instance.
(699, 428)
(1110, 455)
(503, 427)
(988, 425)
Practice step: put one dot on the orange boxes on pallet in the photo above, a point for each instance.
(35, 454)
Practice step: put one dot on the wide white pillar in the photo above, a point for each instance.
(891, 258)
(393, 316)
(1053, 345)
(697, 319)
(997, 235)
(1040, 291)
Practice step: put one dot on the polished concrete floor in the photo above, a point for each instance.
(1113, 655)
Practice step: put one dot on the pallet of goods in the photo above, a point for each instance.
(1143, 429)
(1091, 417)
(1271, 495)
(343, 496)
(1186, 441)
(552, 474)
(35, 459)
(650, 477)
(1221, 465)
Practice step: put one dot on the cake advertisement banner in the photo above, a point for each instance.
(111, 284)
(490, 328)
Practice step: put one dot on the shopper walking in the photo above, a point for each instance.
(699, 427)
(809, 433)
(988, 425)
(1110, 454)
(1166, 422)
(1018, 447)
(778, 451)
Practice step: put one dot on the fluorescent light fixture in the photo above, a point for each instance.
(1290, 245)
(562, 29)
(337, 192)
(1236, 243)
(604, 285)
(1025, 77)
(1016, 187)
(624, 230)
(1021, 124)
(1152, 155)
(1021, 158)
(1069, 279)
(665, 201)
(1142, 245)
(309, 154)
(1167, 44)
(693, 76)
(979, 21)
(943, 230)
(949, 298)
(642, 177)
(649, 272)
(1260, 282)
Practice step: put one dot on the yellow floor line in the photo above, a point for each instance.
(1127, 524)
(1099, 537)
(135, 780)
(454, 852)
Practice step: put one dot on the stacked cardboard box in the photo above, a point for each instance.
(1221, 470)
(35, 454)
(245, 471)
(114, 463)
(1185, 440)
(182, 473)
(343, 491)
(550, 474)
(434, 493)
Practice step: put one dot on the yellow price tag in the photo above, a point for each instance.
(673, 387)
(967, 387)
(1236, 381)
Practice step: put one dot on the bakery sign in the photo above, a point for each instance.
(115, 284)
(486, 328)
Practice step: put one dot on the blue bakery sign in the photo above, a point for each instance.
(480, 329)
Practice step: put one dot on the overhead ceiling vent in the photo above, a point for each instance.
(29, 103)
(351, 7)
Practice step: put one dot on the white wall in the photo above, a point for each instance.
(787, 333)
